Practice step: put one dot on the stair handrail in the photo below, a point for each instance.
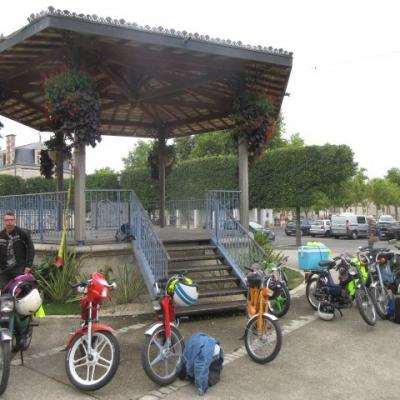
(149, 251)
(233, 241)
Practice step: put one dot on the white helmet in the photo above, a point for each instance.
(28, 304)
(326, 311)
(185, 293)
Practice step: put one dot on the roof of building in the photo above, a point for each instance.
(148, 78)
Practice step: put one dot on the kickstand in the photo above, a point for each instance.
(22, 357)
(340, 312)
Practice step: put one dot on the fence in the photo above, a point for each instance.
(43, 213)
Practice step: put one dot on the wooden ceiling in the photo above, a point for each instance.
(149, 79)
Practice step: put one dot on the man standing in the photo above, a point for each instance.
(371, 231)
(16, 250)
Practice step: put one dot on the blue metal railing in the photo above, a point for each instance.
(233, 241)
(149, 251)
(42, 213)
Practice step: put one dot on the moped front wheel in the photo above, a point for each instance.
(263, 344)
(161, 357)
(91, 370)
(365, 306)
(380, 297)
(5, 363)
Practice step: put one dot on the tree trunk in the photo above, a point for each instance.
(59, 177)
(298, 227)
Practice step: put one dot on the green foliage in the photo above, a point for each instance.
(393, 175)
(191, 179)
(138, 157)
(55, 282)
(130, 285)
(39, 185)
(184, 147)
(46, 165)
(153, 160)
(270, 254)
(139, 180)
(289, 177)
(73, 106)
(217, 143)
(103, 178)
(251, 115)
(10, 185)
(383, 193)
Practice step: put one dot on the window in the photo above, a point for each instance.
(361, 220)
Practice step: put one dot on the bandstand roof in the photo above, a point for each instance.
(148, 78)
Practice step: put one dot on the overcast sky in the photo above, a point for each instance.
(344, 84)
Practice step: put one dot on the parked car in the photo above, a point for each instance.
(386, 218)
(388, 230)
(305, 225)
(255, 227)
(321, 227)
(349, 225)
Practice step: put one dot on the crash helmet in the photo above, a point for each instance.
(183, 291)
(27, 297)
(326, 310)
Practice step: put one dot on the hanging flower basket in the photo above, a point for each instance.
(252, 117)
(73, 106)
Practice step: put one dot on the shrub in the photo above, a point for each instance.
(130, 285)
(55, 282)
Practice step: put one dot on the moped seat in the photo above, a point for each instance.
(327, 263)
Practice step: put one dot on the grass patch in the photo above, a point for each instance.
(62, 308)
(295, 278)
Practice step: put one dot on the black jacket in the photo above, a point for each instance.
(23, 249)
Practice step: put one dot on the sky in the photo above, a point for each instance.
(344, 84)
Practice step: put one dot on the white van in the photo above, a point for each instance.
(350, 225)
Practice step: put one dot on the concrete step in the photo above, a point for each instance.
(211, 308)
(212, 256)
(221, 292)
(201, 268)
(217, 279)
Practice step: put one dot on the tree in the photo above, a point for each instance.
(290, 177)
(393, 176)
(103, 178)
(383, 193)
(138, 157)
(184, 147)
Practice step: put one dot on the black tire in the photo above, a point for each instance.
(102, 340)
(354, 235)
(5, 364)
(336, 237)
(271, 339)
(366, 306)
(279, 307)
(312, 235)
(328, 234)
(380, 298)
(151, 351)
(310, 289)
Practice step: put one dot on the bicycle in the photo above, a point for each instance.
(263, 336)
(163, 344)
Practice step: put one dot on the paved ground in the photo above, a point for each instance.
(344, 358)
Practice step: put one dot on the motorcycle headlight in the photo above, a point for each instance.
(7, 305)
(353, 271)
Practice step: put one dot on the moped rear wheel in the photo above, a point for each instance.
(92, 370)
(365, 306)
(280, 306)
(380, 297)
(160, 359)
(310, 292)
(263, 346)
(5, 362)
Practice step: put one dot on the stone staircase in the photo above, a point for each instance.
(219, 287)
